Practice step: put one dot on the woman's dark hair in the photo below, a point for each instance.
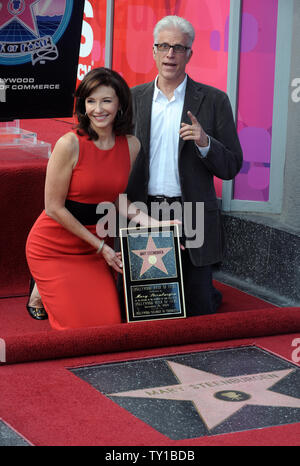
(106, 77)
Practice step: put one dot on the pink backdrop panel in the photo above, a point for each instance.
(255, 103)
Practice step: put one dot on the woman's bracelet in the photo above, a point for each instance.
(100, 247)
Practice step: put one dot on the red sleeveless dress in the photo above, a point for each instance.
(76, 285)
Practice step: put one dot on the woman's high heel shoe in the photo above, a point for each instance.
(38, 313)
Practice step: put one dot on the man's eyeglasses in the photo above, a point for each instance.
(177, 48)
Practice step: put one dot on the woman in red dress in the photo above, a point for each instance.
(71, 265)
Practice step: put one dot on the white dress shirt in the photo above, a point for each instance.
(164, 139)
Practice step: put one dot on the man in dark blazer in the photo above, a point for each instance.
(188, 136)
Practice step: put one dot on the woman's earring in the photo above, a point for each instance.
(120, 113)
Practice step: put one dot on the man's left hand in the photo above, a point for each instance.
(193, 132)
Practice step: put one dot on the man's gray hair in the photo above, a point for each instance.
(171, 22)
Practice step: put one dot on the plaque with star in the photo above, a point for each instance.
(152, 276)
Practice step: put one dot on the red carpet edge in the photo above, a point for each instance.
(152, 334)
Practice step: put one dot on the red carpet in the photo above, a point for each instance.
(240, 316)
(49, 405)
(110, 339)
(22, 179)
(14, 319)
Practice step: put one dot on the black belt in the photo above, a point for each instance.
(85, 213)
(162, 198)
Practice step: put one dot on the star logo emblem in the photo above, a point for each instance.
(20, 10)
(216, 398)
(152, 257)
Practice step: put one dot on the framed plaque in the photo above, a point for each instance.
(152, 273)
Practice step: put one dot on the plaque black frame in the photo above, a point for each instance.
(153, 294)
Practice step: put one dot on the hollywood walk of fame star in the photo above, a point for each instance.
(152, 256)
(216, 398)
(20, 10)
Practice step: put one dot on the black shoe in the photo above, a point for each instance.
(38, 313)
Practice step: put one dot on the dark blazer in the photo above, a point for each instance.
(224, 160)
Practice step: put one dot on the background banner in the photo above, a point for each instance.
(39, 49)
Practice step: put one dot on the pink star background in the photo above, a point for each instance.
(26, 17)
(145, 254)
